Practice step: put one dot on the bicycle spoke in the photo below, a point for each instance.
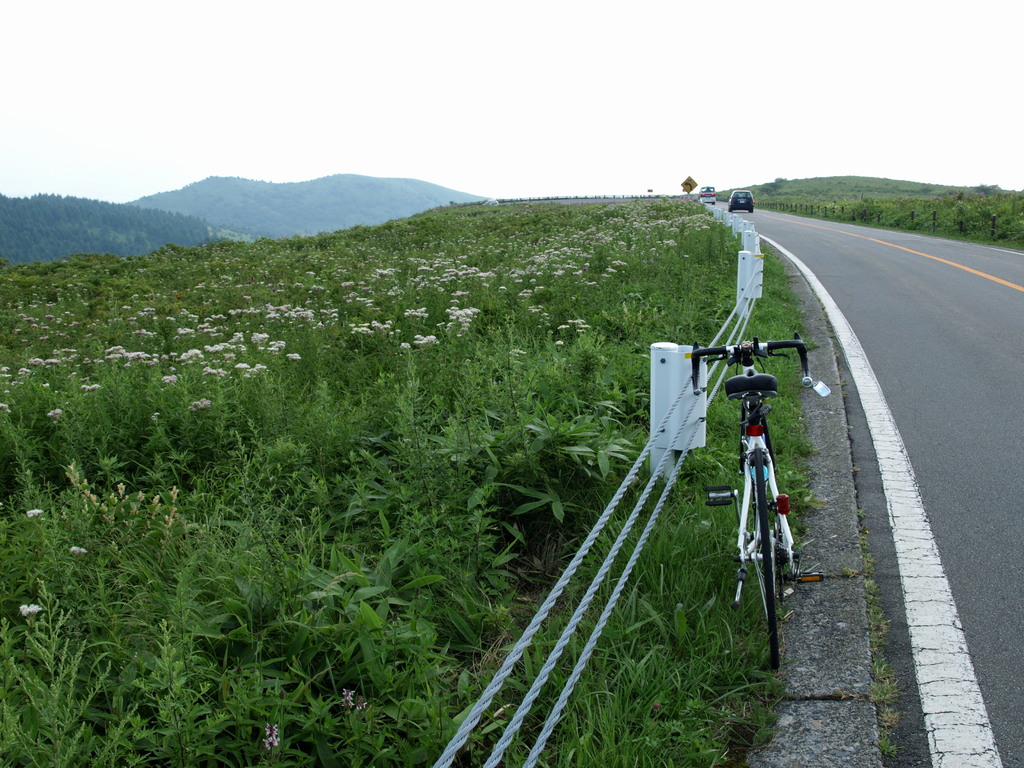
(766, 564)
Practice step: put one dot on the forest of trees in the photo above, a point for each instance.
(49, 227)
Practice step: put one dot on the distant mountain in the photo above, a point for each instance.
(49, 227)
(305, 207)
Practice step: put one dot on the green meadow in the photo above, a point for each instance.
(982, 214)
(289, 502)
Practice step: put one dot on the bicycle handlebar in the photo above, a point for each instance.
(745, 352)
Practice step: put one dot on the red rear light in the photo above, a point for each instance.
(783, 501)
(755, 430)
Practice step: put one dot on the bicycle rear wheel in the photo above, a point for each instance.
(766, 564)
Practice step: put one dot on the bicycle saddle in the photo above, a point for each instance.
(763, 384)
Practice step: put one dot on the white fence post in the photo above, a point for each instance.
(751, 240)
(757, 268)
(744, 268)
(749, 279)
(670, 382)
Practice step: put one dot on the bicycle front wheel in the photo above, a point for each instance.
(766, 562)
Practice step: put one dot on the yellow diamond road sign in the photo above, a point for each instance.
(689, 185)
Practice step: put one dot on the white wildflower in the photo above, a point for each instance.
(461, 318)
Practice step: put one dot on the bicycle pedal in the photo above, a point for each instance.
(809, 577)
(720, 495)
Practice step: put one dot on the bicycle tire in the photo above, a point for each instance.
(766, 566)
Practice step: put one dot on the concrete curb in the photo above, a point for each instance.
(827, 717)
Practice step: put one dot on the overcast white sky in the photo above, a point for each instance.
(117, 99)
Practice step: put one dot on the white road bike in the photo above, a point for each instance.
(764, 538)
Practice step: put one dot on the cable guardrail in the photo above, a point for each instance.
(686, 433)
(595, 635)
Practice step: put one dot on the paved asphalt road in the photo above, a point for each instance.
(942, 324)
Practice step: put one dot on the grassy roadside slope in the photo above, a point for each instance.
(285, 502)
(982, 214)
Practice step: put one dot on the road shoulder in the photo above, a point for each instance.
(826, 717)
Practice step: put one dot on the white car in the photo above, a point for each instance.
(707, 195)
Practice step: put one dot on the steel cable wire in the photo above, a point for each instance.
(570, 629)
(473, 717)
(595, 635)
(570, 684)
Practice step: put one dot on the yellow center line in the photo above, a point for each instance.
(987, 276)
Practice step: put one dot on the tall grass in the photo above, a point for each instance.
(995, 217)
(285, 502)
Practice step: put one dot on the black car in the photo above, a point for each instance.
(741, 200)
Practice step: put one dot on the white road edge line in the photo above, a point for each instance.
(959, 731)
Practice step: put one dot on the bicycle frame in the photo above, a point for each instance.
(781, 535)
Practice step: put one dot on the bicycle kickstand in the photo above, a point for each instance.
(723, 496)
(741, 578)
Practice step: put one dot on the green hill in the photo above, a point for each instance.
(49, 227)
(306, 207)
(856, 187)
